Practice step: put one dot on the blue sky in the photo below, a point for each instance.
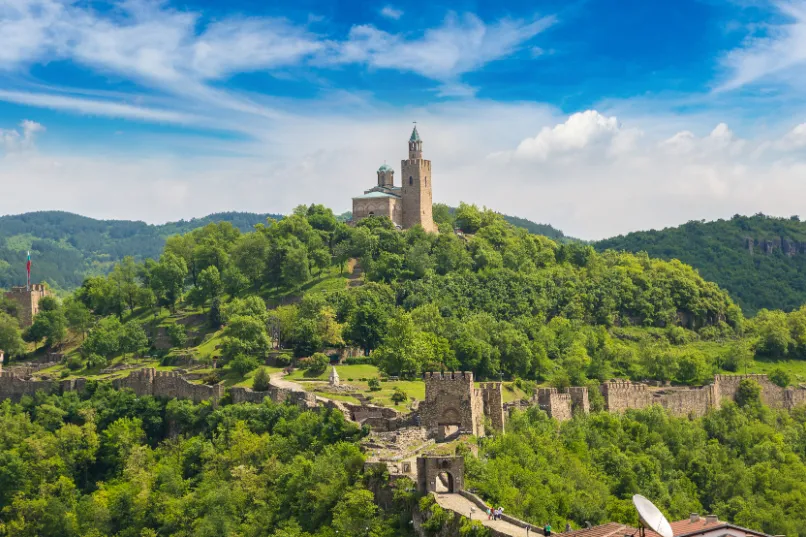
(599, 117)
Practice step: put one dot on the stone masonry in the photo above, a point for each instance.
(454, 406)
(555, 404)
(430, 468)
(28, 301)
(168, 384)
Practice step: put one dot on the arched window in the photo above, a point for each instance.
(411, 180)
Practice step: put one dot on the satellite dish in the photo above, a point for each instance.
(651, 517)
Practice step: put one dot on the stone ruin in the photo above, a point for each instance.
(440, 474)
(454, 406)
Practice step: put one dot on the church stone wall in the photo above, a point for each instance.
(387, 207)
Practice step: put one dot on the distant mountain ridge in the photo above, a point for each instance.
(760, 260)
(65, 247)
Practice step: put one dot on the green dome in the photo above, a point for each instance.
(385, 168)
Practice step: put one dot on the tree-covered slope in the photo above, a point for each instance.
(66, 247)
(760, 260)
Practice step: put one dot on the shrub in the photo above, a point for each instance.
(316, 364)
(749, 393)
(779, 377)
(243, 364)
(74, 363)
(359, 360)
(374, 385)
(212, 379)
(96, 360)
(399, 396)
(261, 382)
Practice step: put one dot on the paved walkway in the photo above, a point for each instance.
(276, 379)
(462, 505)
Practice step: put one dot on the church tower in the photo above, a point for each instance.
(416, 179)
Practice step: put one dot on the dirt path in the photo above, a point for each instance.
(277, 380)
(463, 506)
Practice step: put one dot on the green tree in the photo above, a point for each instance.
(261, 380)
(779, 377)
(78, 316)
(133, 338)
(11, 341)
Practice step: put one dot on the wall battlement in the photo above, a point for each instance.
(463, 376)
(168, 384)
(555, 404)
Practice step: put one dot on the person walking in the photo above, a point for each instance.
(547, 530)
(567, 526)
(489, 514)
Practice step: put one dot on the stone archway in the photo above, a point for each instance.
(445, 483)
(440, 474)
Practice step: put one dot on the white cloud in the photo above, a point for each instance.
(578, 132)
(390, 12)
(461, 45)
(14, 140)
(778, 54)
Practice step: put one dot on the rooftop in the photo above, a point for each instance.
(415, 136)
(385, 168)
(372, 195)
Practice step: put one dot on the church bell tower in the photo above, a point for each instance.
(416, 187)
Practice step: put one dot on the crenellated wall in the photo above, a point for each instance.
(15, 387)
(168, 384)
(620, 395)
(555, 404)
(579, 399)
(451, 401)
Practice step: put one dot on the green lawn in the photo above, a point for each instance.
(345, 372)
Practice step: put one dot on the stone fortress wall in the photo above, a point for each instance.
(454, 405)
(28, 301)
(168, 384)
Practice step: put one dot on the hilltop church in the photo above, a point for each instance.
(406, 205)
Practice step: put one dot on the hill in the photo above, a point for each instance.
(760, 260)
(66, 247)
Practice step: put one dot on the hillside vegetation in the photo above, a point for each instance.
(493, 299)
(67, 247)
(720, 252)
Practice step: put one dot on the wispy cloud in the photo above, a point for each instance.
(390, 12)
(779, 53)
(464, 43)
(96, 107)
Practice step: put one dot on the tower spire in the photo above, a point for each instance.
(415, 144)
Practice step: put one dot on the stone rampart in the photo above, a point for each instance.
(555, 404)
(303, 400)
(14, 387)
(771, 395)
(579, 399)
(492, 399)
(619, 395)
(452, 404)
(168, 384)
(685, 401)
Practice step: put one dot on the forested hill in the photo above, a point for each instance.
(65, 247)
(760, 260)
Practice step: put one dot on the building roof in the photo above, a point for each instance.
(611, 529)
(415, 136)
(371, 195)
(385, 168)
(680, 528)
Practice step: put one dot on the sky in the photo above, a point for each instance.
(598, 117)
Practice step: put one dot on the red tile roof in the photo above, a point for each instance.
(611, 529)
(682, 527)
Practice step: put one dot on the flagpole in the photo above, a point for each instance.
(28, 270)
